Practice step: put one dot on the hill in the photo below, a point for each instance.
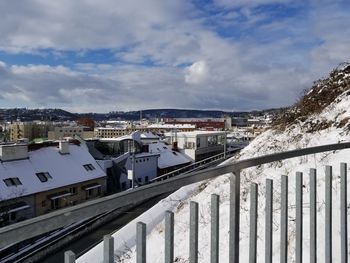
(302, 126)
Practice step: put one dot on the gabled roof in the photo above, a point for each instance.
(167, 157)
(64, 169)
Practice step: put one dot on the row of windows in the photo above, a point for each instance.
(142, 160)
(43, 176)
(70, 131)
(55, 204)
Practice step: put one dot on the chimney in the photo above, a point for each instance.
(64, 147)
(11, 152)
(175, 148)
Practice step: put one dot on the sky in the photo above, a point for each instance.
(111, 55)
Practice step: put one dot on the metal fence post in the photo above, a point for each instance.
(169, 237)
(214, 244)
(69, 257)
(253, 222)
(268, 221)
(108, 249)
(141, 242)
(234, 217)
(328, 224)
(313, 216)
(299, 217)
(344, 213)
(284, 219)
(193, 232)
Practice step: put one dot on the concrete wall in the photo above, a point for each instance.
(13, 152)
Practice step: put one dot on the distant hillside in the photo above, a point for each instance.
(173, 113)
(24, 114)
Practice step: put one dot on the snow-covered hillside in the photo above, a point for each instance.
(328, 123)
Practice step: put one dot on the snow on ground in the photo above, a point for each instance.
(269, 142)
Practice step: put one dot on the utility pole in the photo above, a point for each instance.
(131, 173)
(133, 162)
(225, 141)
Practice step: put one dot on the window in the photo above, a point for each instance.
(89, 167)
(12, 181)
(139, 180)
(43, 203)
(44, 176)
(13, 216)
(146, 179)
(73, 190)
(198, 142)
(89, 193)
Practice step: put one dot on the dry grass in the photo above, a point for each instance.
(313, 101)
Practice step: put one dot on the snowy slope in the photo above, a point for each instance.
(307, 131)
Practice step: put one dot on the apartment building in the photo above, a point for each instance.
(59, 133)
(199, 145)
(41, 178)
(28, 130)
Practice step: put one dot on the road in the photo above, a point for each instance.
(89, 240)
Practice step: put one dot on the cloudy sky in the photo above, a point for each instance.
(107, 55)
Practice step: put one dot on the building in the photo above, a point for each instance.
(59, 133)
(168, 160)
(28, 130)
(113, 132)
(41, 178)
(203, 123)
(118, 156)
(199, 145)
(140, 153)
(168, 127)
(144, 169)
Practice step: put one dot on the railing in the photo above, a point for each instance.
(253, 218)
(45, 223)
(193, 166)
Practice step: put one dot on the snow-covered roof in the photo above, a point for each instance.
(196, 133)
(65, 169)
(167, 157)
(149, 135)
(171, 126)
(110, 128)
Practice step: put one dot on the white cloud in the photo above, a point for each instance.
(266, 65)
(197, 73)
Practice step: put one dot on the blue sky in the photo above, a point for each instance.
(128, 55)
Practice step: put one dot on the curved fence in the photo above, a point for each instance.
(45, 223)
